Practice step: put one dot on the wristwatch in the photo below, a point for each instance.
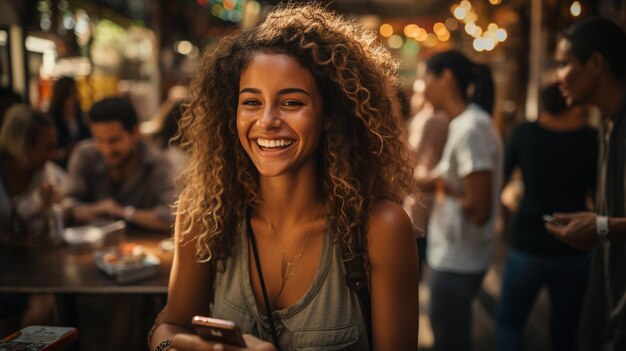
(602, 227)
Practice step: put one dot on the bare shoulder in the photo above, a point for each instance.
(388, 216)
(388, 227)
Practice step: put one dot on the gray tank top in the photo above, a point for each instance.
(327, 317)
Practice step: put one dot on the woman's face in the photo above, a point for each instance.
(279, 114)
(433, 88)
(44, 149)
(69, 107)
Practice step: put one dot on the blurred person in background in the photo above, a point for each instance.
(117, 175)
(591, 70)
(557, 157)
(427, 134)
(8, 98)
(30, 184)
(468, 180)
(68, 117)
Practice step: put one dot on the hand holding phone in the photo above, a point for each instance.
(218, 330)
(551, 220)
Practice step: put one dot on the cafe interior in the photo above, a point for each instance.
(109, 278)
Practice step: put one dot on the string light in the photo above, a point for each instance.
(501, 34)
(484, 39)
(576, 9)
(422, 34)
(395, 41)
(439, 28)
(452, 24)
(410, 30)
(386, 30)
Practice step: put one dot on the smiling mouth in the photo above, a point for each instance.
(273, 144)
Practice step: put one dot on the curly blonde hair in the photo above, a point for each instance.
(362, 159)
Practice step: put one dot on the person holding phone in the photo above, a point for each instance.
(590, 57)
(292, 130)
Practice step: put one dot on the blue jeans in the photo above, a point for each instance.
(451, 296)
(525, 274)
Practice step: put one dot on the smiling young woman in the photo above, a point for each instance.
(292, 132)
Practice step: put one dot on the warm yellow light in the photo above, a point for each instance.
(492, 27)
(576, 9)
(460, 13)
(470, 27)
(421, 34)
(439, 28)
(495, 2)
(471, 17)
(431, 40)
(444, 36)
(410, 30)
(477, 32)
(452, 24)
(501, 34)
(395, 41)
(466, 5)
(386, 30)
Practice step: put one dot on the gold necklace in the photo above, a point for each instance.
(288, 267)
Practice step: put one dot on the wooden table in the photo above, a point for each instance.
(72, 270)
(69, 272)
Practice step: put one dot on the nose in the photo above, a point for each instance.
(106, 149)
(555, 77)
(270, 118)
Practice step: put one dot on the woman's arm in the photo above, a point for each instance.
(393, 257)
(188, 292)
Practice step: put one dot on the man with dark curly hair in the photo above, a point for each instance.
(303, 163)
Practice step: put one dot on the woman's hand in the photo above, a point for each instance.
(49, 194)
(192, 342)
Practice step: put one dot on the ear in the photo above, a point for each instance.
(136, 133)
(447, 75)
(597, 64)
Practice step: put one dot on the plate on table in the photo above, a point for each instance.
(127, 263)
(95, 235)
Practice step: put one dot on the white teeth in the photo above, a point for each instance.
(273, 142)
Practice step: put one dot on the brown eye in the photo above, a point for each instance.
(293, 103)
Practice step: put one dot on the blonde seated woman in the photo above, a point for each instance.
(294, 151)
(30, 184)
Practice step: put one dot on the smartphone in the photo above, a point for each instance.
(218, 330)
(551, 220)
(39, 338)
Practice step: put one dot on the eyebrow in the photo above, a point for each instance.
(280, 92)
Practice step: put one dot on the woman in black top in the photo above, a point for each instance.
(557, 156)
(68, 118)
